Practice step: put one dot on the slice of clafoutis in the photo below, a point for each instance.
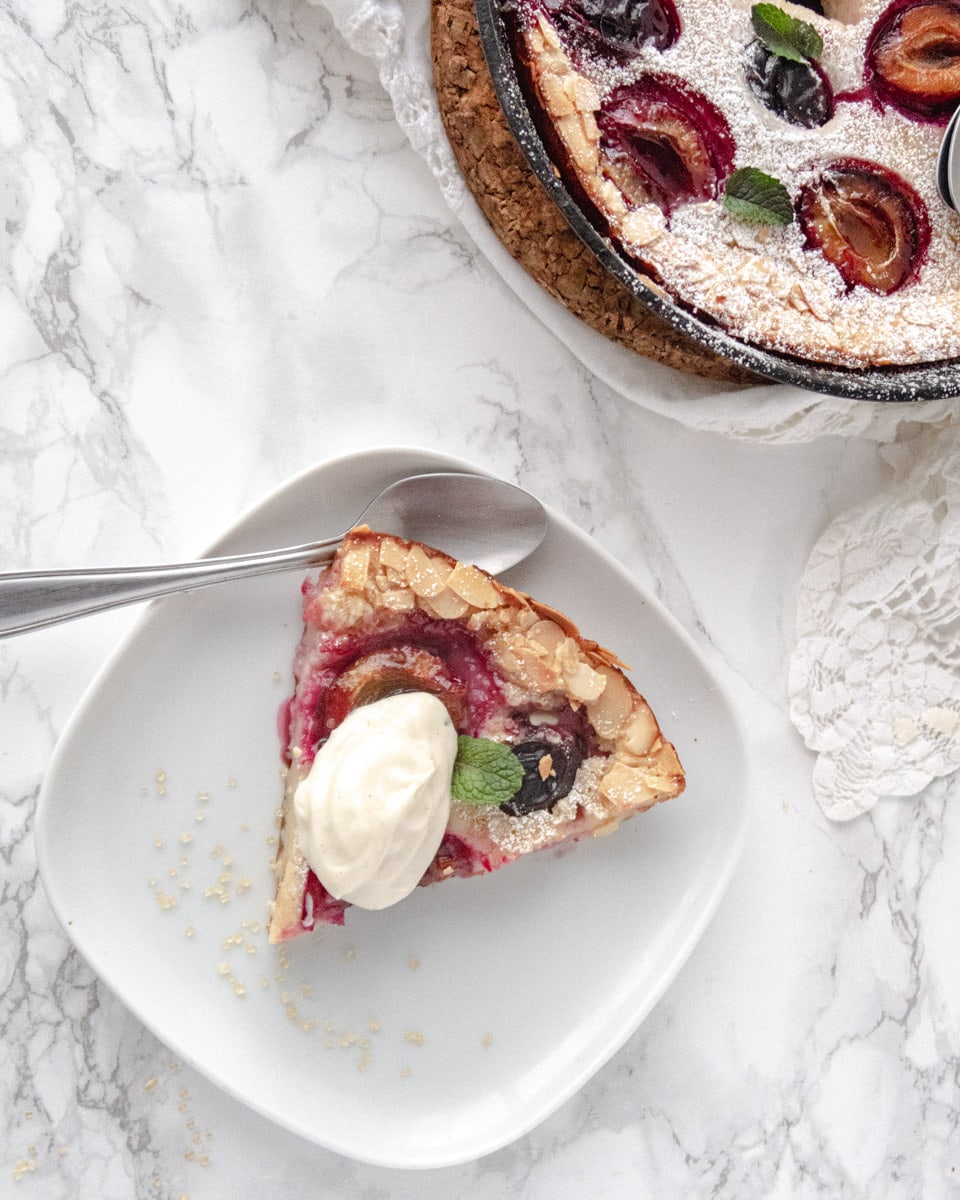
(390, 616)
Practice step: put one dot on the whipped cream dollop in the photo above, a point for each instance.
(372, 811)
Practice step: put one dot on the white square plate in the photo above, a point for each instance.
(427, 1034)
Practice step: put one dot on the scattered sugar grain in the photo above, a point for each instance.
(486, 1041)
(158, 842)
(405, 1072)
(151, 1084)
(23, 1167)
(414, 1037)
(413, 962)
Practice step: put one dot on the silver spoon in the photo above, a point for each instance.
(472, 517)
(948, 164)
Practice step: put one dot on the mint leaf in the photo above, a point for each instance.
(485, 772)
(753, 196)
(784, 35)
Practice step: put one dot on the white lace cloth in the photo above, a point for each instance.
(875, 675)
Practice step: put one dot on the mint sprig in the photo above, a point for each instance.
(785, 36)
(485, 772)
(756, 197)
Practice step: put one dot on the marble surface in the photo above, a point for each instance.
(223, 263)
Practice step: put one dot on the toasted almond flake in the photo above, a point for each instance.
(547, 634)
(447, 605)
(641, 731)
(583, 682)
(545, 767)
(392, 555)
(633, 787)
(355, 568)
(531, 667)
(472, 585)
(426, 576)
(609, 712)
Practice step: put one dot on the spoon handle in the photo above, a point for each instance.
(34, 599)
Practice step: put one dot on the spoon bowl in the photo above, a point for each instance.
(948, 164)
(474, 518)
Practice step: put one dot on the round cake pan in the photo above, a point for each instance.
(916, 382)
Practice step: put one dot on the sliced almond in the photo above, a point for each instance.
(583, 682)
(641, 731)
(577, 133)
(501, 648)
(547, 634)
(626, 786)
(447, 605)
(582, 92)
(472, 585)
(393, 555)
(426, 576)
(555, 97)
(355, 568)
(533, 670)
(609, 712)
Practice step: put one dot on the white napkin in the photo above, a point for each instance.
(875, 675)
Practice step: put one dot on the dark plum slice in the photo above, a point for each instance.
(799, 92)
(615, 29)
(665, 143)
(912, 58)
(868, 222)
(549, 771)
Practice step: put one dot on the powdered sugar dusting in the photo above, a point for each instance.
(761, 283)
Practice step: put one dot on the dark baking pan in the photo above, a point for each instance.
(926, 381)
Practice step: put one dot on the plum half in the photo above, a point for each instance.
(913, 58)
(868, 222)
(664, 143)
(799, 92)
(614, 29)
